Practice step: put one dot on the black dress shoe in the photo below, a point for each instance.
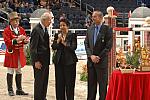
(11, 93)
(21, 92)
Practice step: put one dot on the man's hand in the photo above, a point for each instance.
(95, 59)
(38, 65)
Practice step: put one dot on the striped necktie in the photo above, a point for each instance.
(95, 34)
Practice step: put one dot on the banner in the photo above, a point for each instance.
(80, 51)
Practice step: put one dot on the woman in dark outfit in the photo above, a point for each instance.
(65, 44)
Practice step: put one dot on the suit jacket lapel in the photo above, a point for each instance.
(67, 36)
(41, 30)
(91, 33)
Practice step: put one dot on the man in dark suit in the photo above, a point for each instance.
(98, 43)
(40, 56)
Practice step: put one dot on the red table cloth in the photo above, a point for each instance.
(129, 86)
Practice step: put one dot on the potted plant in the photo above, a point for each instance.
(83, 75)
(133, 59)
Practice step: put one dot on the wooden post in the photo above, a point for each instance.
(111, 21)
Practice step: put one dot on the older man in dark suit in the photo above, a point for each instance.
(98, 43)
(40, 55)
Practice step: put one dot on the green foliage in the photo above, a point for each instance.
(28, 58)
(133, 59)
(84, 74)
(53, 55)
(83, 77)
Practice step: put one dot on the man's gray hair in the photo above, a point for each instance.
(45, 15)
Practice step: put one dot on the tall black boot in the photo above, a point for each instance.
(19, 90)
(9, 84)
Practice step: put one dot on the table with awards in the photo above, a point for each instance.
(129, 86)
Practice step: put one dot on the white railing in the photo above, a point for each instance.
(79, 3)
(88, 8)
(55, 30)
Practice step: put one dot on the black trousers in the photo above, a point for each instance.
(95, 76)
(41, 82)
(65, 81)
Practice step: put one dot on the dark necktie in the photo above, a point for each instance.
(95, 34)
(46, 31)
(46, 37)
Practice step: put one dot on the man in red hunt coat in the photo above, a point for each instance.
(14, 38)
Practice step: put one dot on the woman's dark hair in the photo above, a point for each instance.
(65, 21)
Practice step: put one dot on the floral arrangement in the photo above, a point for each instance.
(83, 74)
(128, 60)
(145, 57)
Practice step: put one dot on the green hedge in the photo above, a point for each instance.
(28, 57)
